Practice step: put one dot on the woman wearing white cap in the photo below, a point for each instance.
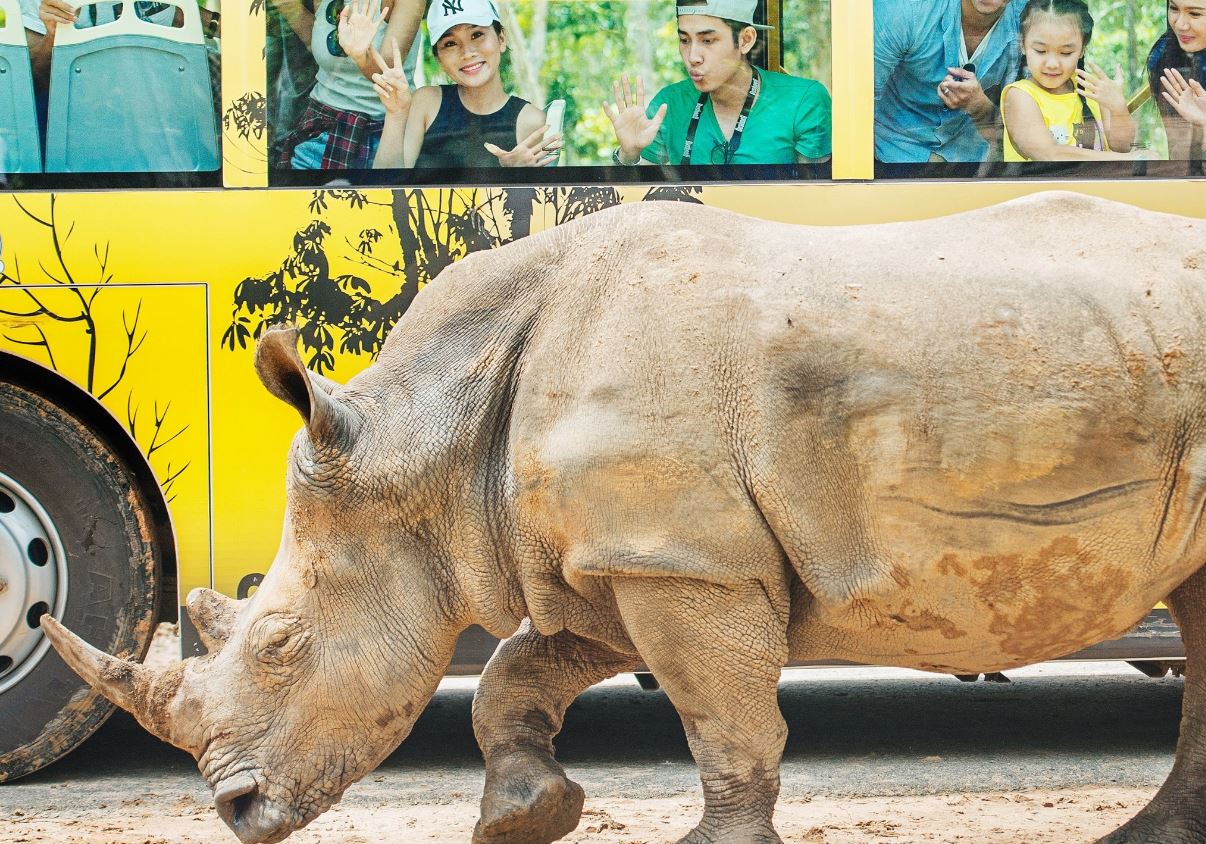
(472, 122)
(728, 111)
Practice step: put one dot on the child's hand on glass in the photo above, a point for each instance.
(1095, 84)
(390, 83)
(634, 130)
(1188, 98)
(358, 25)
(533, 151)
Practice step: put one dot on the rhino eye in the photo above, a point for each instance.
(281, 639)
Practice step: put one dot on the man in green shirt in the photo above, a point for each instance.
(727, 111)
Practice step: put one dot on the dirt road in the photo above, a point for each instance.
(1042, 817)
(1063, 754)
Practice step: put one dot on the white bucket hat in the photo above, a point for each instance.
(445, 14)
(738, 11)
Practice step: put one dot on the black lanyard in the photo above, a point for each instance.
(735, 141)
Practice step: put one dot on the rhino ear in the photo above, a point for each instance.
(280, 368)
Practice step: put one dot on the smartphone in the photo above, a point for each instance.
(554, 116)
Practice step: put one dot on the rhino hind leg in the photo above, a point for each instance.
(518, 709)
(717, 651)
(1177, 814)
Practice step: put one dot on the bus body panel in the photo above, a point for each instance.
(193, 273)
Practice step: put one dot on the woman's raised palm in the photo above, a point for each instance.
(358, 25)
(1188, 98)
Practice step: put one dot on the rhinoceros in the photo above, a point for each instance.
(673, 436)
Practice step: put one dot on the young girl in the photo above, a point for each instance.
(1058, 110)
(1176, 68)
(471, 123)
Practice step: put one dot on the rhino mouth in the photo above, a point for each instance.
(254, 817)
(250, 815)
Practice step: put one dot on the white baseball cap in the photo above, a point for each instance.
(445, 14)
(738, 11)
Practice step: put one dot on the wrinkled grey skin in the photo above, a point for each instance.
(673, 435)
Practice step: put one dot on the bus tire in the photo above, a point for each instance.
(76, 539)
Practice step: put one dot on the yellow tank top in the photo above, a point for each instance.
(1062, 113)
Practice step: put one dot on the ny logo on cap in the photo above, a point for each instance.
(451, 7)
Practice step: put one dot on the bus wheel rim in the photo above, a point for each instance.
(33, 580)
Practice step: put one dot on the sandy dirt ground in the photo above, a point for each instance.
(165, 813)
(1046, 817)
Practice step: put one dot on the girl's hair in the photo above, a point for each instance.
(435, 45)
(1086, 135)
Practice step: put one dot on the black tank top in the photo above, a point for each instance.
(457, 136)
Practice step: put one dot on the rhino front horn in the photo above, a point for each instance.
(144, 693)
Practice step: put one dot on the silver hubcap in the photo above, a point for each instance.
(33, 580)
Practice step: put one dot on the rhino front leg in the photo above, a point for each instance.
(717, 651)
(518, 709)
(1177, 814)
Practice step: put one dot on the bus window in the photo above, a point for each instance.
(20, 145)
(725, 90)
(1042, 88)
(116, 90)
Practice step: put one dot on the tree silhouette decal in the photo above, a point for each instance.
(248, 116)
(100, 377)
(245, 121)
(386, 262)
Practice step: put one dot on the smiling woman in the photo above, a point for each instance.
(472, 122)
(1177, 62)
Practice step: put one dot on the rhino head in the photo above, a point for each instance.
(310, 683)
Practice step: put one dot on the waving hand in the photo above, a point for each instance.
(359, 23)
(1188, 98)
(634, 129)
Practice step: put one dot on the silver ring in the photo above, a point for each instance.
(944, 89)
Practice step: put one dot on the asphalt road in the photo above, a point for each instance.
(853, 732)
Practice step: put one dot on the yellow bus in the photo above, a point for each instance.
(143, 250)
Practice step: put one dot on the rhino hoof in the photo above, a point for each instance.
(757, 835)
(535, 804)
(1158, 825)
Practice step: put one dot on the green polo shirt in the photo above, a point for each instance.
(791, 116)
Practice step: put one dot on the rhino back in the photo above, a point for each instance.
(938, 433)
(1006, 443)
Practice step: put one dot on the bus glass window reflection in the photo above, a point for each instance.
(145, 76)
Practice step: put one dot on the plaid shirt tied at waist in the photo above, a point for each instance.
(348, 141)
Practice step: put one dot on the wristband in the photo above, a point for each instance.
(615, 156)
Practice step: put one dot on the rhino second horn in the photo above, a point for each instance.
(144, 693)
(213, 615)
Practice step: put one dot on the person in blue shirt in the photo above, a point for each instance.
(940, 66)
